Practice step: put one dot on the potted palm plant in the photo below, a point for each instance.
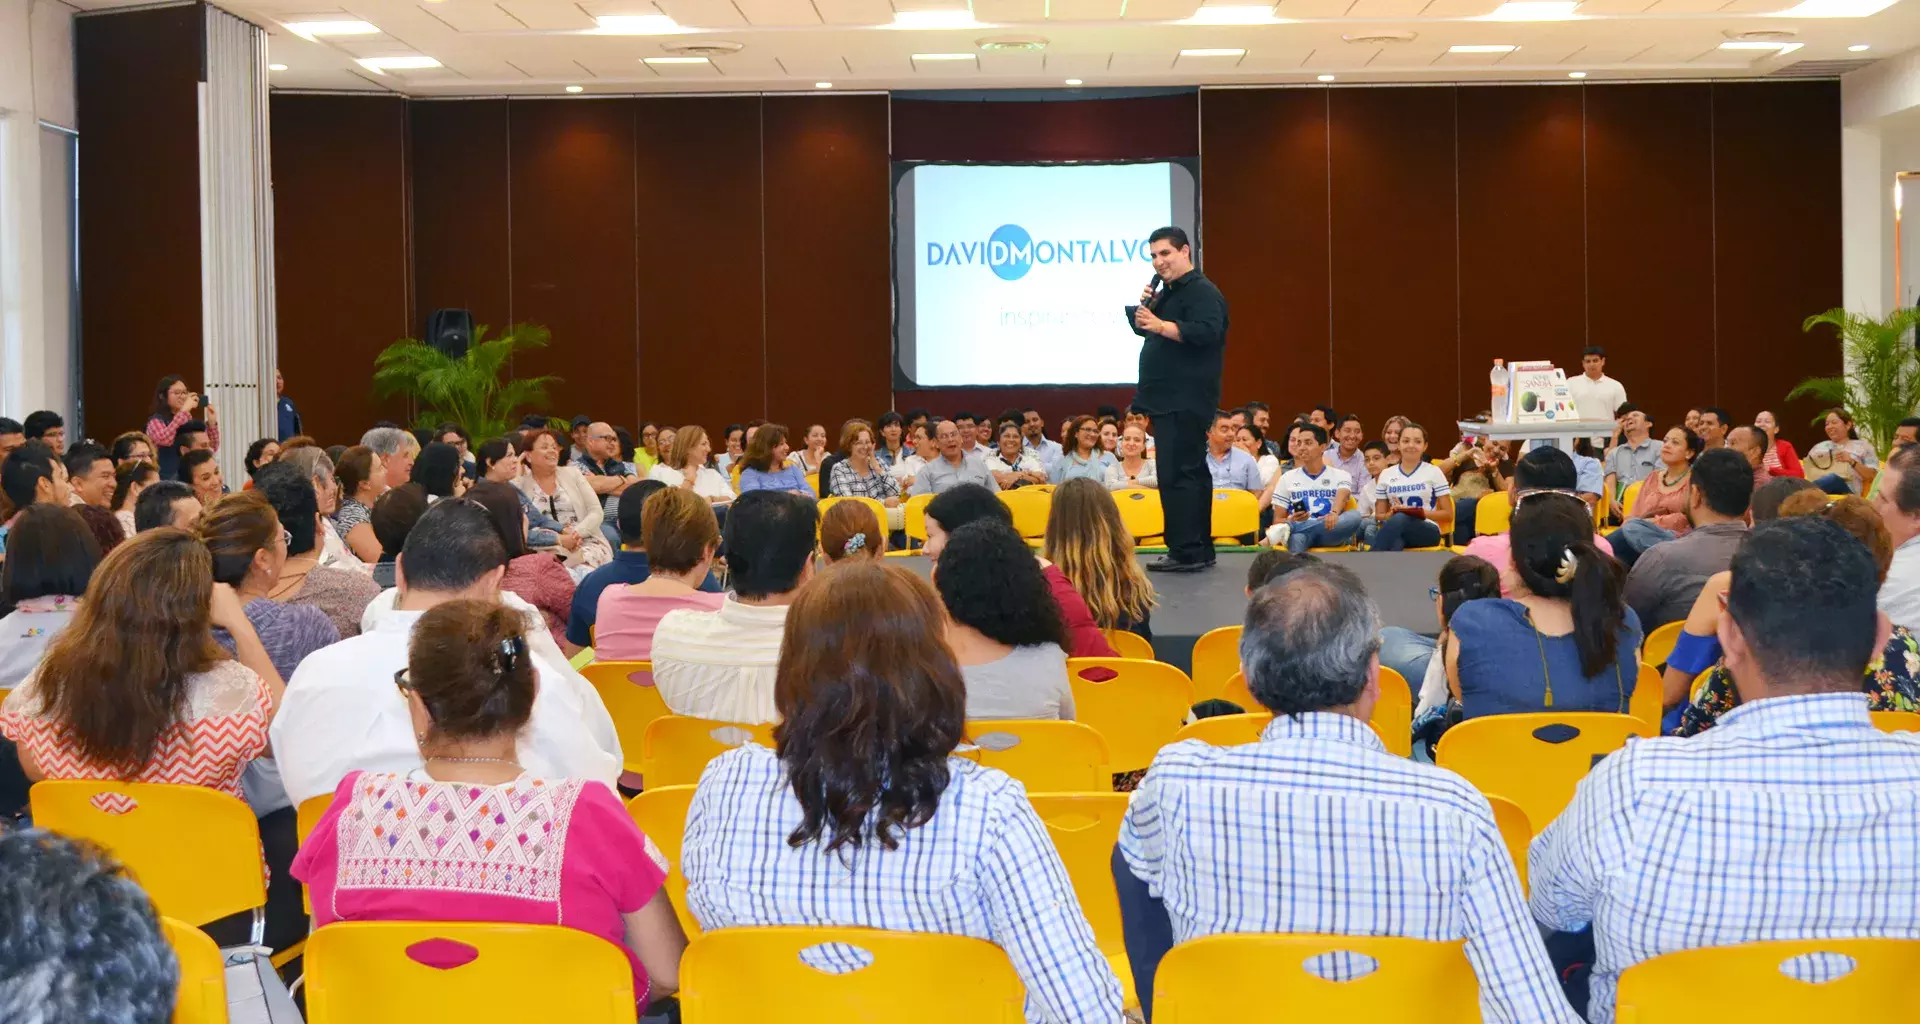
(1879, 381)
(476, 390)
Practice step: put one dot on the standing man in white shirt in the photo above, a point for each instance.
(342, 712)
(1315, 495)
(1897, 499)
(1595, 395)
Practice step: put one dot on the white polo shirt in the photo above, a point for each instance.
(720, 664)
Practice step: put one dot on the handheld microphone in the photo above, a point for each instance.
(1153, 290)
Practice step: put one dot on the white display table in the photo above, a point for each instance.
(1562, 432)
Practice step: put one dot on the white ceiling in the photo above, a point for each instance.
(539, 47)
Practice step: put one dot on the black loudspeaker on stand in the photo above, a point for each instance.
(450, 331)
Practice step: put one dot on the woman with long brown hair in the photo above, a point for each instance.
(764, 466)
(363, 479)
(863, 817)
(1092, 547)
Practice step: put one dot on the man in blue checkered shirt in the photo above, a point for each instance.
(1316, 828)
(1793, 818)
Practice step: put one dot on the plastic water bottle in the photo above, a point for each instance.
(1502, 411)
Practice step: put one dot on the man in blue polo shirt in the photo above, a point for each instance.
(629, 566)
(1229, 464)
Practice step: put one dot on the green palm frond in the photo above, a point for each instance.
(467, 390)
(1879, 384)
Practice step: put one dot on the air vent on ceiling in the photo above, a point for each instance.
(1380, 38)
(1761, 35)
(1820, 68)
(710, 48)
(1011, 44)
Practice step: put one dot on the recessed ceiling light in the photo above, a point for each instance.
(309, 29)
(1226, 51)
(575, 88)
(636, 25)
(943, 56)
(413, 62)
(1576, 74)
(674, 60)
(1534, 10)
(823, 85)
(1859, 48)
(1233, 14)
(1073, 81)
(1748, 44)
(1326, 78)
(934, 19)
(1836, 8)
(1484, 48)
(276, 67)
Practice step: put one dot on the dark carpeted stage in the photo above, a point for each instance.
(1191, 604)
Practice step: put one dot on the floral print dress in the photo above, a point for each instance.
(1890, 685)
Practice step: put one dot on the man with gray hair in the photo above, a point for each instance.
(313, 462)
(1317, 828)
(397, 449)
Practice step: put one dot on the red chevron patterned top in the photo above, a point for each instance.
(224, 727)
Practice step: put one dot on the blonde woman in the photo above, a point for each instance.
(689, 464)
(1093, 549)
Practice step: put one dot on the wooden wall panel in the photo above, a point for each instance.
(462, 239)
(977, 129)
(1264, 211)
(574, 249)
(137, 77)
(826, 250)
(341, 267)
(699, 182)
(1395, 282)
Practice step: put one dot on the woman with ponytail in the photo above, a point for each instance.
(1566, 640)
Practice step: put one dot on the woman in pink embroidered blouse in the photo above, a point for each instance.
(680, 535)
(536, 577)
(483, 840)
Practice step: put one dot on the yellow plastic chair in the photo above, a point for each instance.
(1130, 644)
(1137, 710)
(1897, 721)
(1141, 513)
(1493, 513)
(1235, 689)
(1084, 828)
(1393, 713)
(305, 819)
(1030, 508)
(195, 850)
(1747, 983)
(661, 813)
(914, 516)
(202, 997)
(1516, 831)
(1648, 702)
(1628, 498)
(751, 975)
(675, 749)
(1534, 760)
(1236, 513)
(626, 688)
(363, 972)
(1216, 657)
(875, 505)
(1206, 981)
(813, 483)
(1659, 644)
(1046, 756)
(1225, 730)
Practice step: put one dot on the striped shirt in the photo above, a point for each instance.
(1793, 818)
(982, 867)
(1317, 829)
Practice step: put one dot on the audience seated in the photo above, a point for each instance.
(80, 942)
(1343, 450)
(607, 472)
(689, 464)
(132, 446)
(178, 410)
(720, 664)
(438, 843)
(48, 428)
(12, 435)
(1248, 438)
(1084, 458)
(314, 463)
(343, 594)
(200, 470)
(1133, 468)
(1314, 497)
(1411, 500)
(1230, 465)
(261, 452)
(499, 460)
(1659, 511)
(764, 467)
(128, 481)
(1566, 640)
(50, 557)
(1318, 829)
(343, 713)
(440, 472)
(859, 475)
(393, 518)
(166, 503)
(1003, 625)
(864, 818)
(537, 577)
(1461, 579)
(631, 566)
(1843, 463)
(89, 475)
(1667, 578)
(1781, 459)
(1012, 463)
(562, 492)
(1542, 469)
(968, 503)
(103, 525)
(813, 450)
(396, 449)
(850, 529)
(906, 469)
(1750, 443)
(953, 464)
(249, 549)
(1897, 499)
(1091, 548)
(32, 475)
(1790, 819)
(363, 478)
(1635, 455)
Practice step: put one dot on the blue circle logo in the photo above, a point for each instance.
(1010, 252)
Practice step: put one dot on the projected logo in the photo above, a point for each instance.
(1011, 253)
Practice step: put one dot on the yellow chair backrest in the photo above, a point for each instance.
(1141, 512)
(751, 975)
(1216, 657)
(202, 998)
(312, 809)
(875, 505)
(1235, 690)
(364, 972)
(1627, 499)
(1207, 980)
(1235, 513)
(1534, 760)
(813, 482)
(1515, 831)
(661, 813)
(1225, 730)
(1648, 702)
(1136, 705)
(1492, 513)
(676, 749)
(1046, 756)
(1030, 508)
(913, 516)
(1393, 713)
(1084, 828)
(1602, 507)
(1659, 644)
(1897, 721)
(626, 688)
(1749, 983)
(1129, 644)
(196, 851)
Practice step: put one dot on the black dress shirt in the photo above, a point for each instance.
(1184, 375)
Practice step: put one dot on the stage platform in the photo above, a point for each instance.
(1191, 604)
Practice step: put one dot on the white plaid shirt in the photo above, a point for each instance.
(848, 483)
(1793, 818)
(983, 867)
(1317, 829)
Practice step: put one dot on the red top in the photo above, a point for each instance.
(1083, 634)
(1782, 460)
(543, 582)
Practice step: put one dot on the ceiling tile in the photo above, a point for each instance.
(1207, 65)
(1687, 6)
(551, 67)
(1607, 53)
(1615, 6)
(750, 65)
(1275, 59)
(1756, 6)
(1405, 55)
(816, 66)
(703, 13)
(1340, 55)
(1160, 10)
(548, 15)
(1681, 52)
(1313, 8)
(946, 68)
(1158, 63)
(776, 13)
(1450, 59)
(1385, 8)
(1085, 10)
(1024, 65)
(474, 16)
(1077, 65)
(855, 12)
(1013, 12)
(705, 69)
(1461, 8)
